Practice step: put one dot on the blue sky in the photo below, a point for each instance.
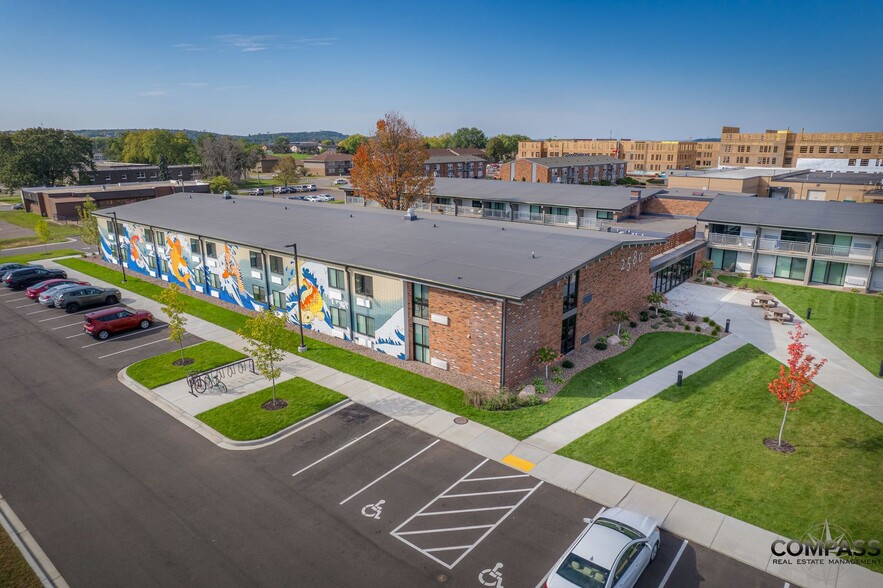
(545, 69)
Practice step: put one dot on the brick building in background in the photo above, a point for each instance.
(329, 164)
(570, 169)
(641, 157)
(859, 152)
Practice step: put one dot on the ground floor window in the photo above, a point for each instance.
(280, 299)
(259, 293)
(673, 275)
(790, 268)
(828, 272)
(338, 317)
(365, 325)
(568, 334)
(723, 259)
(421, 343)
(214, 281)
(163, 265)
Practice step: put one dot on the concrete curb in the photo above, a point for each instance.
(43, 567)
(211, 434)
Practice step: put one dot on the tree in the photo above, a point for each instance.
(266, 335)
(88, 228)
(469, 137)
(655, 299)
(225, 156)
(547, 356)
(388, 168)
(795, 381)
(163, 169)
(351, 144)
(620, 316)
(43, 233)
(221, 184)
(280, 145)
(149, 146)
(287, 171)
(326, 142)
(173, 305)
(504, 147)
(443, 141)
(42, 157)
(706, 265)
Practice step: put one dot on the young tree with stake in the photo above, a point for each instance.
(266, 334)
(173, 307)
(619, 316)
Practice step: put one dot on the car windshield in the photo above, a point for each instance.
(632, 534)
(583, 573)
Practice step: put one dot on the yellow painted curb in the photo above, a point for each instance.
(518, 463)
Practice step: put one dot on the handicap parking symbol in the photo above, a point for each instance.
(372, 511)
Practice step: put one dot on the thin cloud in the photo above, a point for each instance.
(319, 42)
(245, 43)
(189, 47)
(153, 93)
(194, 84)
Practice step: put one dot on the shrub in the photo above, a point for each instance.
(713, 324)
(567, 364)
(625, 338)
(762, 278)
(505, 400)
(537, 382)
(557, 370)
(697, 279)
(644, 316)
(698, 329)
(686, 327)
(474, 398)
(690, 317)
(705, 319)
(855, 290)
(633, 324)
(558, 380)
(541, 388)
(655, 325)
(601, 345)
(740, 274)
(715, 331)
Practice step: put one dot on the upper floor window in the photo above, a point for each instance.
(420, 298)
(364, 284)
(255, 260)
(570, 291)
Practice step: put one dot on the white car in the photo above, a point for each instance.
(325, 197)
(310, 187)
(313, 198)
(47, 297)
(339, 182)
(612, 552)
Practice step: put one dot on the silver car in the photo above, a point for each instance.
(72, 299)
(612, 552)
(47, 297)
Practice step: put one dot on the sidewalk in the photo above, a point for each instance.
(731, 537)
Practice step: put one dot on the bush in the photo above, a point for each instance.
(537, 382)
(686, 327)
(474, 398)
(697, 279)
(762, 278)
(567, 364)
(540, 388)
(633, 324)
(854, 290)
(690, 317)
(601, 345)
(698, 329)
(715, 331)
(705, 319)
(505, 400)
(713, 324)
(557, 370)
(558, 380)
(655, 325)
(740, 274)
(644, 316)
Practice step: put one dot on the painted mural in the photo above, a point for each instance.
(315, 298)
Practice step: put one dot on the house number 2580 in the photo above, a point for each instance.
(630, 261)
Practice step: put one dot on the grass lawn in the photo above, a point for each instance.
(294, 155)
(520, 424)
(159, 370)
(852, 321)
(244, 419)
(14, 570)
(37, 256)
(704, 443)
(255, 183)
(11, 199)
(29, 220)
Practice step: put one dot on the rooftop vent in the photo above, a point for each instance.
(227, 195)
(410, 216)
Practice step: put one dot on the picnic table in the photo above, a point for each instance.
(765, 301)
(780, 315)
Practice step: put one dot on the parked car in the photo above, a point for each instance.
(72, 299)
(34, 291)
(613, 551)
(295, 189)
(256, 192)
(18, 206)
(296, 197)
(312, 198)
(325, 197)
(101, 324)
(312, 187)
(5, 268)
(339, 182)
(47, 297)
(27, 276)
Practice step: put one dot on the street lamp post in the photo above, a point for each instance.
(116, 238)
(300, 323)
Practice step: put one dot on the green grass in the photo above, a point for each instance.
(852, 321)
(37, 256)
(157, 371)
(255, 183)
(28, 220)
(245, 420)
(520, 424)
(295, 155)
(704, 443)
(14, 570)
(11, 199)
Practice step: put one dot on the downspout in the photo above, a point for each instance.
(349, 296)
(266, 261)
(206, 282)
(503, 348)
(156, 252)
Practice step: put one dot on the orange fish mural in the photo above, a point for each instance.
(231, 268)
(133, 250)
(176, 259)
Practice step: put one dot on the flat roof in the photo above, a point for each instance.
(698, 194)
(97, 188)
(729, 173)
(505, 260)
(808, 215)
(564, 195)
(452, 158)
(832, 177)
(574, 160)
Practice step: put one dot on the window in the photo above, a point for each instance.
(338, 317)
(421, 343)
(215, 281)
(110, 227)
(336, 279)
(853, 149)
(160, 239)
(194, 246)
(823, 149)
(866, 149)
(163, 265)
(420, 300)
(210, 250)
(140, 175)
(275, 264)
(604, 214)
(123, 177)
(259, 293)
(198, 276)
(364, 285)
(851, 162)
(791, 268)
(569, 292)
(107, 178)
(254, 260)
(151, 261)
(864, 162)
(365, 325)
(280, 300)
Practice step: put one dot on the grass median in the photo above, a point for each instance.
(704, 443)
(14, 569)
(245, 420)
(157, 371)
(28, 220)
(38, 256)
(850, 320)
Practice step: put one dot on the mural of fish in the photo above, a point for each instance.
(231, 268)
(177, 263)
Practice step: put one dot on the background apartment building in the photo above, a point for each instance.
(640, 156)
(786, 148)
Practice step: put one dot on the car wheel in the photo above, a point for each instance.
(112, 300)
(654, 551)
(103, 335)
(72, 307)
(144, 324)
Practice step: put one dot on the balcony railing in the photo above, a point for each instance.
(442, 208)
(559, 219)
(494, 213)
(842, 251)
(780, 245)
(473, 211)
(731, 240)
(524, 216)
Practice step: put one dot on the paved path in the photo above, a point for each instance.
(842, 376)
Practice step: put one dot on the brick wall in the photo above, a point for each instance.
(471, 341)
(674, 206)
(522, 170)
(673, 241)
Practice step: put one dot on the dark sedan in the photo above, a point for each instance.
(24, 277)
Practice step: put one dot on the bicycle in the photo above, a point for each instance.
(207, 381)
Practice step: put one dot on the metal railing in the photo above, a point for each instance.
(842, 251)
(229, 370)
(494, 213)
(780, 245)
(559, 219)
(355, 200)
(442, 208)
(473, 211)
(525, 216)
(731, 240)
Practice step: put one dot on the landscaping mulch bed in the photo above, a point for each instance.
(773, 444)
(277, 404)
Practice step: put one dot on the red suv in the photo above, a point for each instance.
(102, 323)
(34, 291)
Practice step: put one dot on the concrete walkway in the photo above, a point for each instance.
(731, 537)
(842, 376)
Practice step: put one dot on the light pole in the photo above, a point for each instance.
(300, 323)
(116, 237)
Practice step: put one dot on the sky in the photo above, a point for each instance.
(642, 70)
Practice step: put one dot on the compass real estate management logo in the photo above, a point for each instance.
(825, 546)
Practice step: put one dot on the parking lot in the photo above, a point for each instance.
(66, 329)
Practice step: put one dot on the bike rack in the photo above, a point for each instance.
(230, 369)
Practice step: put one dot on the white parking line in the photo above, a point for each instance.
(356, 440)
(38, 311)
(80, 324)
(462, 510)
(345, 500)
(569, 549)
(10, 294)
(123, 336)
(55, 318)
(77, 335)
(674, 562)
(497, 478)
(132, 348)
(449, 529)
(485, 493)
(23, 305)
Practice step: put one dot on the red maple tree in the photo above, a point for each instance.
(796, 380)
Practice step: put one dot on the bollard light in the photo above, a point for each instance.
(808, 313)
(727, 327)
(680, 377)
(880, 373)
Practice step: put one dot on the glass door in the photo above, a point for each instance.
(568, 334)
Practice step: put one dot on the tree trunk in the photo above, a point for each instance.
(618, 327)
(782, 428)
(181, 345)
(274, 384)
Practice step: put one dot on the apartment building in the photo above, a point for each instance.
(329, 164)
(456, 293)
(115, 172)
(811, 242)
(640, 156)
(451, 165)
(570, 169)
(789, 149)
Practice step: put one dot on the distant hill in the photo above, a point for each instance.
(257, 138)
